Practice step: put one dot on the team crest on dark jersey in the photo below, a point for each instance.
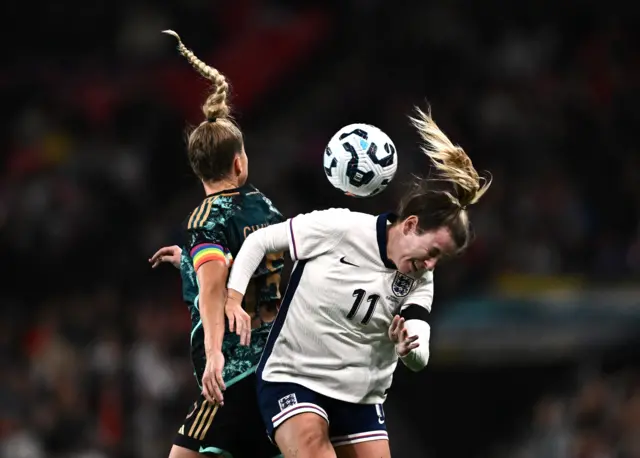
(402, 284)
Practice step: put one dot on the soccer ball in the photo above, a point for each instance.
(360, 160)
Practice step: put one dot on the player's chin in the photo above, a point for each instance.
(406, 267)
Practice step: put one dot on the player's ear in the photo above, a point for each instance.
(238, 165)
(410, 225)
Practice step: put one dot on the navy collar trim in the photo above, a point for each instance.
(381, 229)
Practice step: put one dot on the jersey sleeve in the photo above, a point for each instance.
(206, 244)
(315, 233)
(415, 311)
(417, 305)
(271, 239)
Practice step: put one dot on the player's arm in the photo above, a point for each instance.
(304, 236)
(415, 316)
(211, 262)
(212, 278)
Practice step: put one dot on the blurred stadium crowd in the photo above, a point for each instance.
(94, 178)
(601, 418)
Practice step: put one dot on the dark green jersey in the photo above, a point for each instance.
(216, 230)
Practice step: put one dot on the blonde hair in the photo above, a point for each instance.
(441, 199)
(213, 144)
(216, 104)
(451, 163)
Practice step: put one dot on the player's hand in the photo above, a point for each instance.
(169, 254)
(400, 337)
(212, 381)
(239, 320)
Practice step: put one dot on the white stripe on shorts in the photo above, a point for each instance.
(297, 409)
(359, 437)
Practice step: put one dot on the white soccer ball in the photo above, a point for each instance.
(360, 160)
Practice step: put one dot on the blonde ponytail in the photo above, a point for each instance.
(450, 161)
(215, 106)
(214, 144)
(441, 199)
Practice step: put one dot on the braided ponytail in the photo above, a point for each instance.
(214, 144)
(215, 106)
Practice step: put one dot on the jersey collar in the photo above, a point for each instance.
(381, 229)
(244, 187)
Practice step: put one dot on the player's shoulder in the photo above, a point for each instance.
(249, 192)
(361, 219)
(253, 197)
(336, 221)
(215, 209)
(426, 279)
(337, 216)
(355, 222)
(329, 212)
(423, 284)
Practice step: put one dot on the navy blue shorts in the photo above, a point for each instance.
(348, 423)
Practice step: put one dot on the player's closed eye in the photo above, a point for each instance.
(434, 253)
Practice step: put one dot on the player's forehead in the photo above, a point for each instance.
(439, 238)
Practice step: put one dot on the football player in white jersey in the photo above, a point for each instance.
(357, 301)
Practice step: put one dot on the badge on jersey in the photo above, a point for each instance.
(287, 401)
(402, 284)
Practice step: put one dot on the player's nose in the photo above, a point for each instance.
(430, 264)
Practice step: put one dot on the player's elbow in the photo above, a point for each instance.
(420, 364)
(211, 297)
(214, 289)
(212, 294)
(417, 359)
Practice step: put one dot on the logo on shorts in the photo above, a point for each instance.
(380, 412)
(195, 406)
(402, 284)
(288, 401)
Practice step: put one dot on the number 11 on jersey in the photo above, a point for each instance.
(372, 300)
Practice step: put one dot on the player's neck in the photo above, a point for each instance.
(214, 187)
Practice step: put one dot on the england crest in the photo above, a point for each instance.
(287, 401)
(402, 284)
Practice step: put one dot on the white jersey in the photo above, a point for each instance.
(331, 334)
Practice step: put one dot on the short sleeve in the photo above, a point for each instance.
(315, 233)
(208, 244)
(417, 304)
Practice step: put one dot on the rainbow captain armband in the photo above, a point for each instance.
(206, 252)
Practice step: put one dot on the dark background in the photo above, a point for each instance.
(535, 330)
